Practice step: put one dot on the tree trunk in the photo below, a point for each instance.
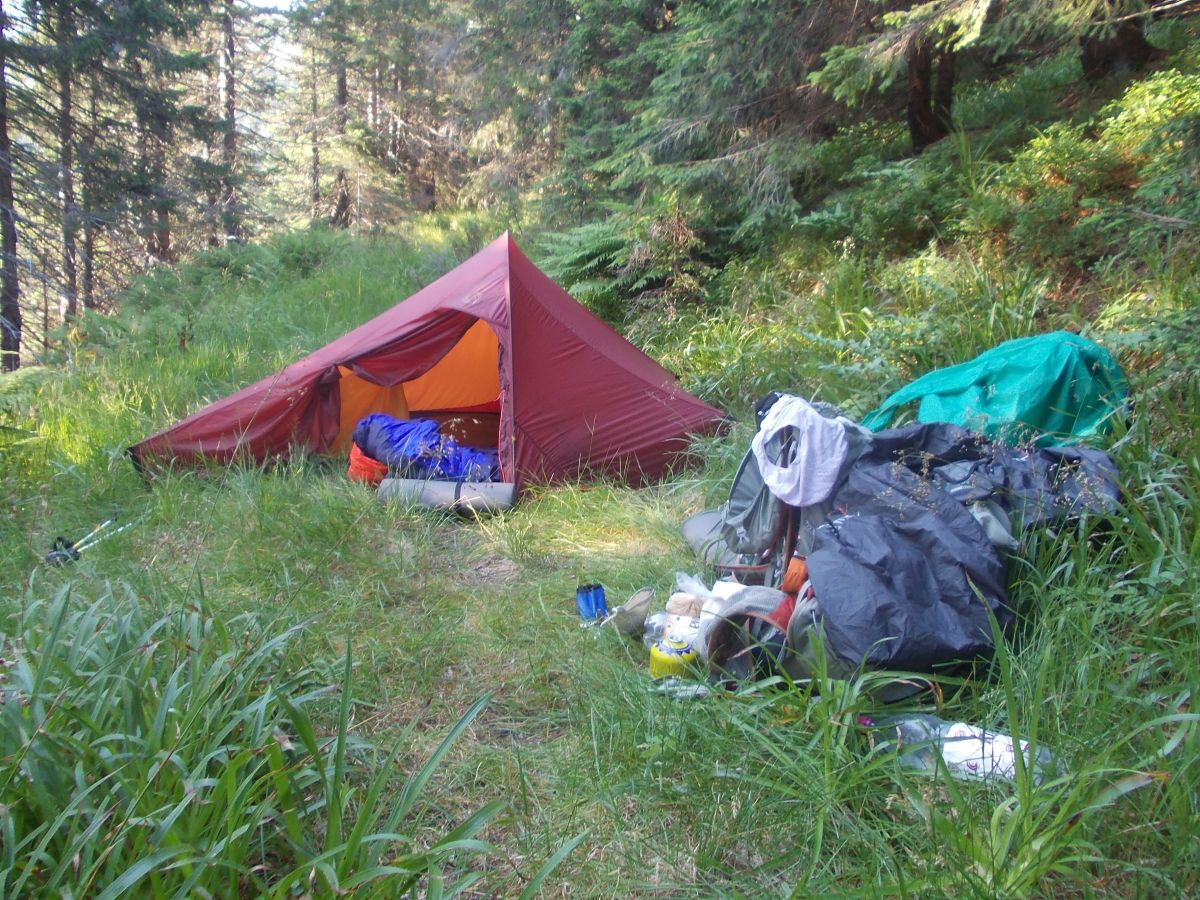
(160, 139)
(45, 267)
(943, 93)
(87, 190)
(162, 242)
(142, 128)
(340, 43)
(342, 205)
(230, 217)
(314, 127)
(66, 160)
(393, 150)
(374, 107)
(343, 93)
(425, 193)
(154, 134)
(212, 149)
(929, 101)
(10, 288)
(1099, 56)
(89, 268)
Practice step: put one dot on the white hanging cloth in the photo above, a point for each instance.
(820, 450)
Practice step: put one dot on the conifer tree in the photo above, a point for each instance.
(103, 135)
(915, 34)
(10, 296)
(381, 113)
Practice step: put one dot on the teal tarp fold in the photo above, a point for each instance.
(1048, 390)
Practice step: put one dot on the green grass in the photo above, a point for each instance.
(179, 756)
(574, 777)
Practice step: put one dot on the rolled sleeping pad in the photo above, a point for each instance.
(466, 496)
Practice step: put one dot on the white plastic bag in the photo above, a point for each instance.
(714, 602)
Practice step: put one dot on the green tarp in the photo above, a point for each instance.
(1049, 389)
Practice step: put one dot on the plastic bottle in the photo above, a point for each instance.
(968, 751)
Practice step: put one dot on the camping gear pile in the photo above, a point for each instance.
(888, 549)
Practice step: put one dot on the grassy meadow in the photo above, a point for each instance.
(271, 684)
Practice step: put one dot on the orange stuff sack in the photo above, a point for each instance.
(363, 468)
(796, 575)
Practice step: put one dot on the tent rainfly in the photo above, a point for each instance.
(496, 340)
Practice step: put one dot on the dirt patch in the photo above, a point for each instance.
(496, 728)
(490, 571)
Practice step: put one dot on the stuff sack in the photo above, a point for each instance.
(398, 443)
(363, 468)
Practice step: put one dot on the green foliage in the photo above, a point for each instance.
(162, 307)
(301, 253)
(876, 58)
(179, 755)
(1114, 180)
(585, 260)
(635, 260)
(703, 101)
(846, 330)
(1157, 122)
(1118, 184)
(233, 262)
(897, 205)
(1022, 97)
(1046, 186)
(606, 60)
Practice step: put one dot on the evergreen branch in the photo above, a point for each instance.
(1182, 7)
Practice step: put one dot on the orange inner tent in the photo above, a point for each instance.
(467, 379)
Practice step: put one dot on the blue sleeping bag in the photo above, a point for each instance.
(414, 448)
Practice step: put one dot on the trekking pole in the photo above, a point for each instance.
(65, 551)
(88, 542)
(91, 534)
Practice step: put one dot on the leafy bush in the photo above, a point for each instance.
(1114, 185)
(237, 262)
(1045, 193)
(891, 206)
(633, 260)
(162, 308)
(303, 252)
(844, 329)
(179, 757)
(1018, 99)
(1157, 122)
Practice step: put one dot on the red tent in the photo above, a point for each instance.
(494, 343)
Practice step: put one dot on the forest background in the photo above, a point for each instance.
(829, 197)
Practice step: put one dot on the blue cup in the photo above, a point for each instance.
(599, 602)
(590, 601)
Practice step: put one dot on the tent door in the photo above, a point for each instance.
(359, 398)
(461, 391)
